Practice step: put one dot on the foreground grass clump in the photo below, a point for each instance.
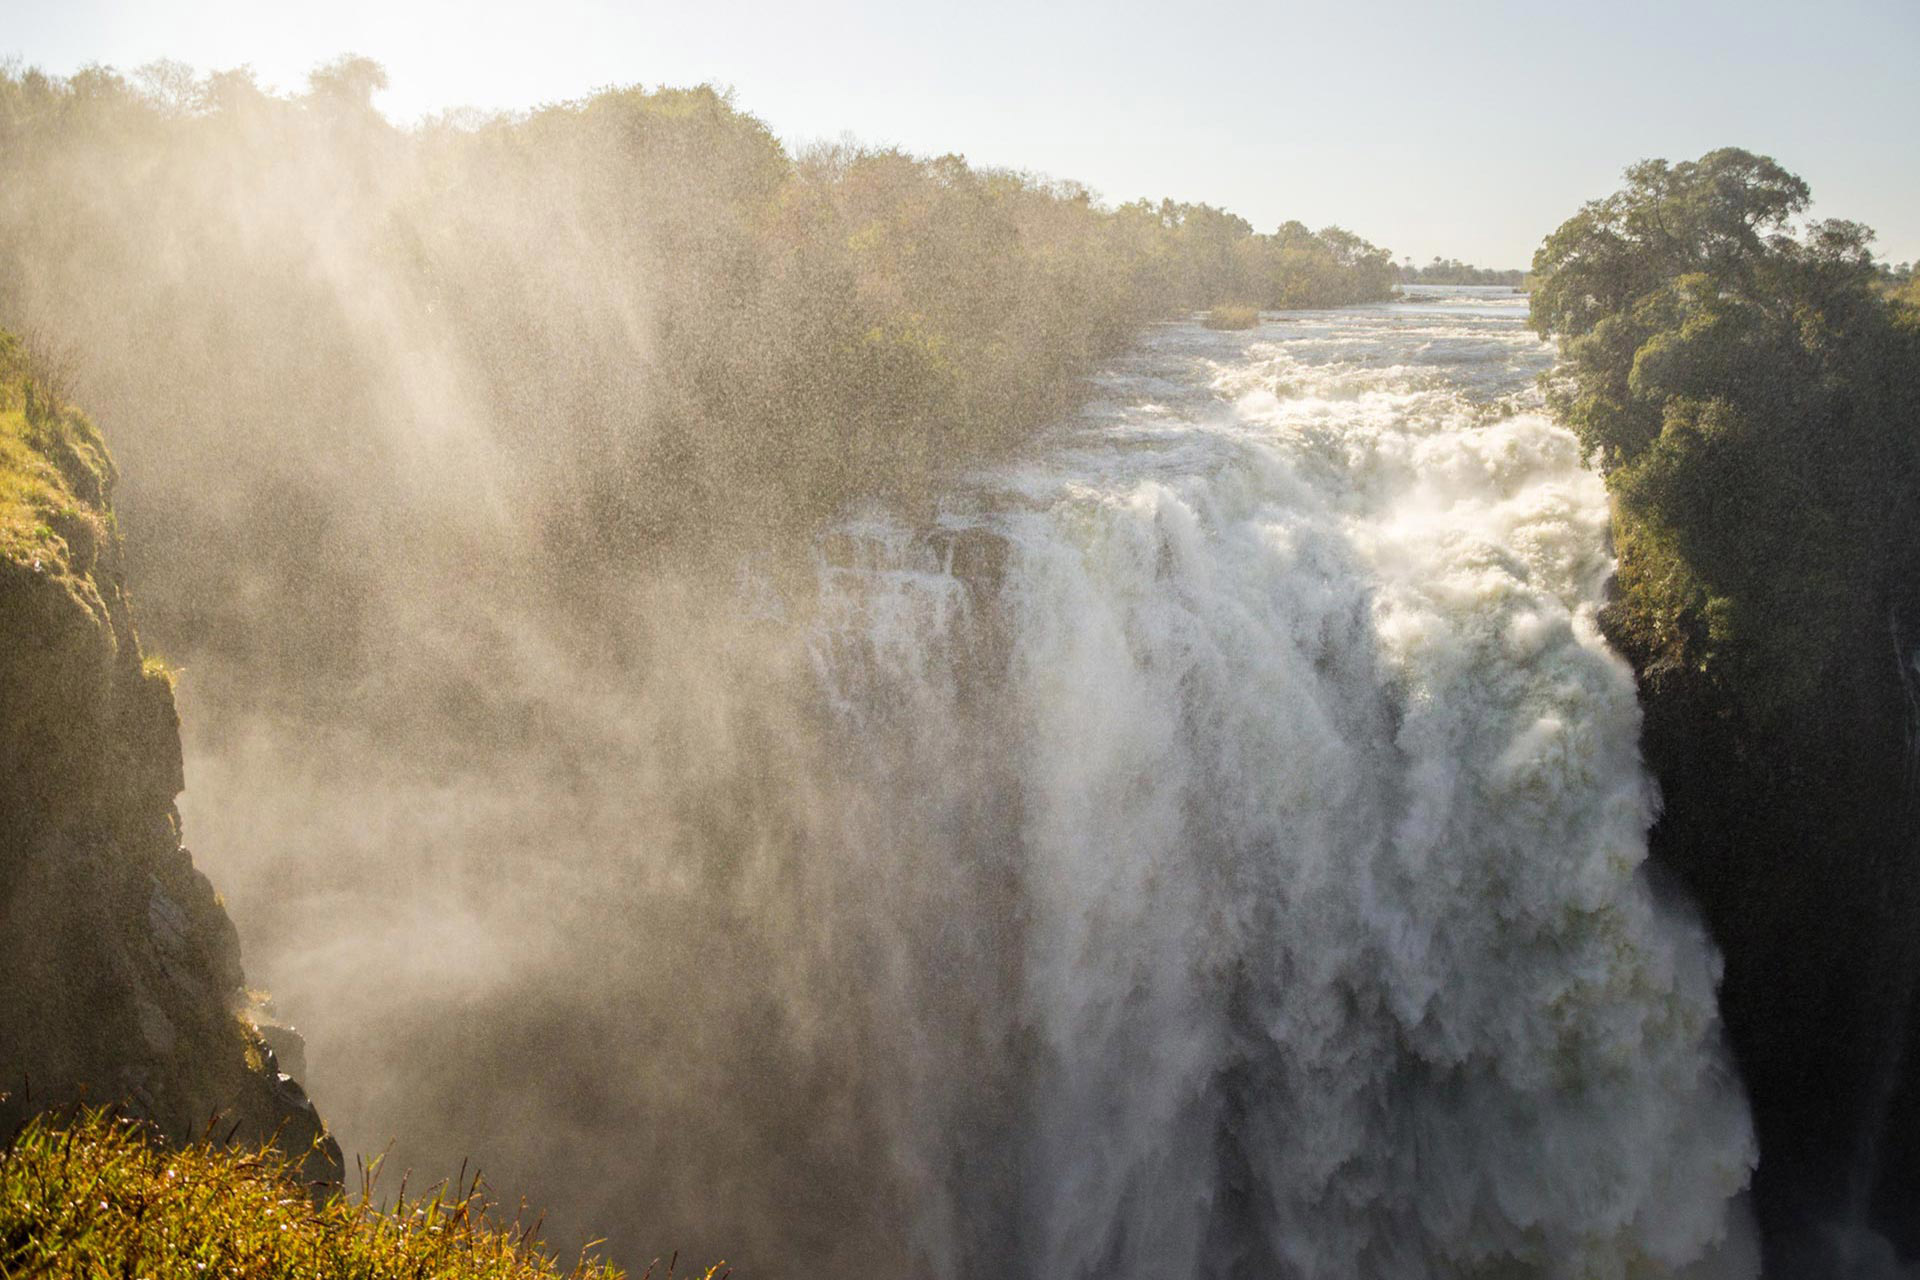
(1232, 318)
(93, 1195)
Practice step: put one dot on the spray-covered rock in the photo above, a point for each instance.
(120, 976)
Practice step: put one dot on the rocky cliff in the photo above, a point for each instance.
(120, 975)
(1798, 840)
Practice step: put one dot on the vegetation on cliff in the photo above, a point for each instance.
(82, 707)
(1751, 396)
(54, 473)
(95, 1195)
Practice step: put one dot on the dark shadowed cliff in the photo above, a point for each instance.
(120, 975)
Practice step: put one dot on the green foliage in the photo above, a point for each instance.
(55, 475)
(156, 667)
(1327, 268)
(96, 1197)
(1750, 396)
(349, 81)
(1906, 291)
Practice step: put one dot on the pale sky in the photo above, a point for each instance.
(1467, 129)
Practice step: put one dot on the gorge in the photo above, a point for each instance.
(842, 710)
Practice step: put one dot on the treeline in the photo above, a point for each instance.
(340, 360)
(638, 314)
(1454, 271)
(1749, 388)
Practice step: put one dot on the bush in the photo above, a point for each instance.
(1232, 317)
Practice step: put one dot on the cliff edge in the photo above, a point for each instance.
(120, 976)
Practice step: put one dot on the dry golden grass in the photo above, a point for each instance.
(91, 1194)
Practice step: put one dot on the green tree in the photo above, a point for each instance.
(1748, 393)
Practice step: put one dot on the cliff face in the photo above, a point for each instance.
(1799, 840)
(120, 975)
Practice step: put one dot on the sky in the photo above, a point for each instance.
(1464, 129)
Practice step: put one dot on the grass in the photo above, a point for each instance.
(1232, 317)
(155, 667)
(93, 1194)
(33, 496)
(54, 470)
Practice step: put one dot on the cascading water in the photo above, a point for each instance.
(1269, 816)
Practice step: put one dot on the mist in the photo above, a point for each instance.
(793, 710)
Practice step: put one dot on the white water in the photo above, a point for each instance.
(1270, 828)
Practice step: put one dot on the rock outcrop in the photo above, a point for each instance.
(120, 975)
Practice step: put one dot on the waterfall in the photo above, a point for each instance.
(1276, 806)
(1211, 847)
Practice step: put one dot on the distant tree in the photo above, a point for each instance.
(349, 80)
(1453, 271)
(230, 91)
(173, 85)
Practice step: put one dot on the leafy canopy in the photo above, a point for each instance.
(1750, 395)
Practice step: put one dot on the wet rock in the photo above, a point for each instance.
(167, 921)
(974, 555)
(156, 1029)
(287, 1045)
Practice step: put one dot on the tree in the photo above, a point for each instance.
(349, 80)
(1748, 393)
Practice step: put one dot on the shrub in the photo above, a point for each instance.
(1232, 317)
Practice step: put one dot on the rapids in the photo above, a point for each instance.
(1300, 894)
